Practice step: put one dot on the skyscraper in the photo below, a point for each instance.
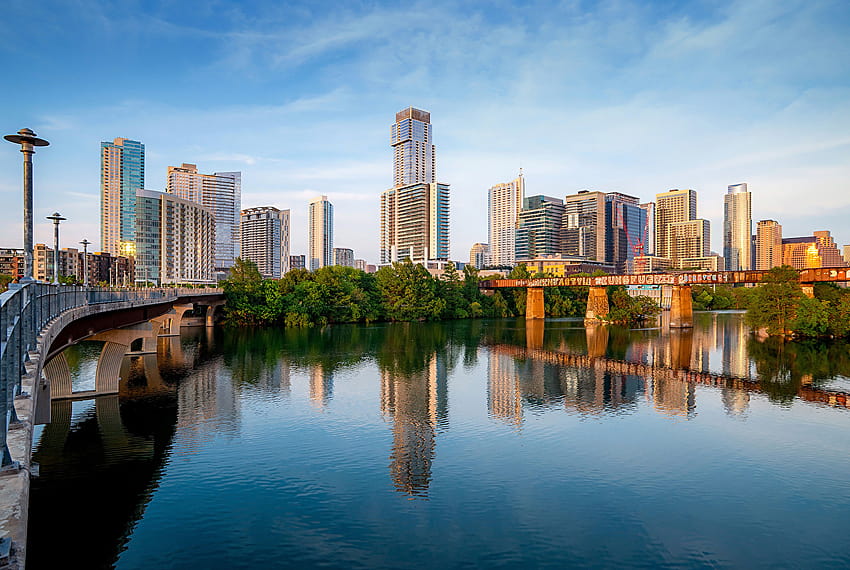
(504, 201)
(320, 232)
(540, 231)
(479, 255)
(625, 229)
(415, 212)
(221, 192)
(264, 235)
(768, 244)
(122, 174)
(671, 207)
(649, 229)
(584, 225)
(344, 256)
(737, 228)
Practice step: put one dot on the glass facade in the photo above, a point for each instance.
(321, 233)
(737, 228)
(625, 224)
(122, 175)
(540, 228)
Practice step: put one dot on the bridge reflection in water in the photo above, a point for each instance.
(194, 388)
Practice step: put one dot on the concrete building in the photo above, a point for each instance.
(504, 202)
(671, 207)
(12, 262)
(768, 244)
(540, 228)
(69, 263)
(110, 269)
(649, 229)
(584, 225)
(689, 239)
(737, 228)
(479, 255)
(564, 266)
(297, 262)
(625, 229)
(264, 239)
(343, 257)
(320, 232)
(122, 174)
(221, 193)
(175, 240)
(847, 254)
(817, 250)
(415, 211)
(360, 264)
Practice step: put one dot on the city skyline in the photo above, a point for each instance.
(593, 113)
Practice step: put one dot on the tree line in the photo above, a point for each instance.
(403, 291)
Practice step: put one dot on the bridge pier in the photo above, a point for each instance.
(597, 341)
(169, 323)
(534, 333)
(681, 307)
(597, 305)
(534, 307)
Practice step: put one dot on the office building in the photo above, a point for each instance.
(648, 245)
(847, 254)
(817, 250)
(221, 193)
(264, 239)
(175, 240)
(360, 264)
(689, 239)
(344, 257)
(737, 228)
(540, 228)
(320, 232)
(415, 212)
(625, 229)
(122, 174)
(297, 262)
(504, 202)
(584, 225)
(768, 244)
(671, 207)
(479, 255)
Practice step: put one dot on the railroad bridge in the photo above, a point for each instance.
(681, 305)
(37, 322)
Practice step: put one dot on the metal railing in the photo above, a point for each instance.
(26, 309)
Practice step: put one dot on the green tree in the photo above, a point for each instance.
(408, 292)
(773, 304)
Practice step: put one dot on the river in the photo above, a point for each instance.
(487, 443)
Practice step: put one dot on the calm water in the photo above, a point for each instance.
(453, 445)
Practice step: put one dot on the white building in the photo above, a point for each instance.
(737, 228)
(264, 235)
(479, 255)
(344, 256)
(504, 201)
(320, 233)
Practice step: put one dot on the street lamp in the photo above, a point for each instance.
(27, 139)
(85, 243)
(56, 217)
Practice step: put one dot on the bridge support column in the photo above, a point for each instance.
(681, 307)
(597, 305)
(681, 348)
(209, 320)
(534, 307)
(169, 323)
(808, 290)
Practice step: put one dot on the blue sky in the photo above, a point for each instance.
(635, 97)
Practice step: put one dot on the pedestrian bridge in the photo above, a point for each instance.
(681, 305)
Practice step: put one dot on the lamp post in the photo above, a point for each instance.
(56, 217)
(27, 139)
(85, 243)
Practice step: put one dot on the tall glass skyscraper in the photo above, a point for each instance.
(415, 211)
(625, 229)
(320, 232)
(122, 175)
(737, 228)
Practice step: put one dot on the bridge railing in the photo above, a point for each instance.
(26, 309)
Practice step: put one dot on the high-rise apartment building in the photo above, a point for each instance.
(847, 253)
(479, 255)
(221, 192)
(671, 207)
(584, 225)
(540, 228)
(344, 257)
(297, 262)
(768, 244)
(625, 229)
(122, 174)
(737, 228)
(689, 239)
(174, 239)
(504, 201)
(264, 236)
(360, 264)
(415, 154)
(415, 212)
(320, 232)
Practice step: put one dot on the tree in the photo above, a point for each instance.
(773, 304)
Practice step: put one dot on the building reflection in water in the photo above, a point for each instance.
(504, 394)
(321, 385)
(416, 404)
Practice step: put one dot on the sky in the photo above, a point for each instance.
(625, 96)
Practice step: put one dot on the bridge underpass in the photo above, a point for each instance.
(37, 323)
(681, 304)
